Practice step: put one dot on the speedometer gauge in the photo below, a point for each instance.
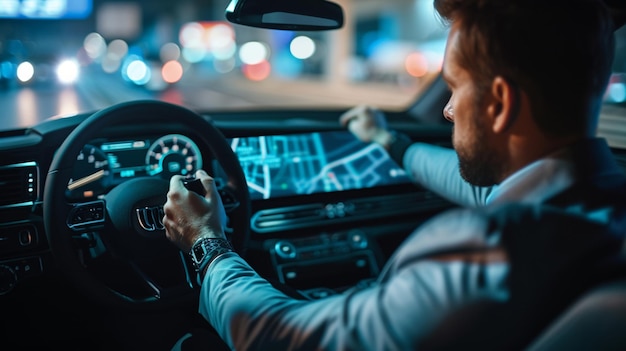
(173, 154)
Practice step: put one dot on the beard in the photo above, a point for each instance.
(479, 163)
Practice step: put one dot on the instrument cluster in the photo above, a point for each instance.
(103, 164)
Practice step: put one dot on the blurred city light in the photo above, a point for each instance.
(257, 72)
(416, 64)
(136, 70)
(226, 51)
(302, 47)
(253, 53)
(617, 92)
(68, 71)
(117, 49)
(193, 54)
(169, 52)
(30, 9)
(220, 36)
(6, 70)
(191, 35)
(111, 63)
(25, 71)
(172, 71)
(94, 45)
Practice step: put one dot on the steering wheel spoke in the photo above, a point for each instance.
(157, 289)
(87, 216)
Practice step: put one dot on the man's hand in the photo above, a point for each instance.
(368, 124)
(189, 216)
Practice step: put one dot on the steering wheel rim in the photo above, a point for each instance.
(62, 238)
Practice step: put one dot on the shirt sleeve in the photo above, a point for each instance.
(414, 294)
(437, 168)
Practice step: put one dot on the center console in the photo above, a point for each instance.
(327, 209)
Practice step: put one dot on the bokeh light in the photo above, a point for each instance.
(25, 71)
(172, 71)
(302, 47)
(68, 71)
(117, 49)
(257, 72)
(95, 46)
(617, 92)
(416, 64)
(169, 52)
(253, 53)
(137, 71)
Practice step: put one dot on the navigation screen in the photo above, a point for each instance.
(285, 165)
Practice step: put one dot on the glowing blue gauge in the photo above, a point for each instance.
(91, 174)
(173, 154)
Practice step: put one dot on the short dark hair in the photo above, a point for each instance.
(559, 52)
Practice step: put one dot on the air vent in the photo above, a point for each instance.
(285, 218)
(18, 184)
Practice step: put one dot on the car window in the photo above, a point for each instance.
(61, 57)
(67, 56)
(616, 91)
(614, 108)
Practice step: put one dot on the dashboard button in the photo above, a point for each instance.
(285, 249)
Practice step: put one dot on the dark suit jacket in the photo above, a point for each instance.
(556, 250)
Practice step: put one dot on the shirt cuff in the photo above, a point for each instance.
(400, 142)
(203, 272)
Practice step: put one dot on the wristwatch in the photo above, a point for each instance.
(205, 250)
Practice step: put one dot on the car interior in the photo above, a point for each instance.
(84, 261)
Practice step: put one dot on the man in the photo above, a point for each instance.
(527, 81)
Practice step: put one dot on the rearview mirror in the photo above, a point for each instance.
(307, 15)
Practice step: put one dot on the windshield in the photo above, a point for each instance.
(61, 57)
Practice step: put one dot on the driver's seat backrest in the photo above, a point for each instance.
(596, 321)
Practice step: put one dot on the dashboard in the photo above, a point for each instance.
(274, 165)
(104, 163)
(326, 209)
(305, 188)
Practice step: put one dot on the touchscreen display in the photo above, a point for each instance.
(295, 164)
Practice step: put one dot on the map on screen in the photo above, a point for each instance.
(295, 164)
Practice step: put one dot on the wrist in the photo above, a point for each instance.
(384, 138)
(205, 250)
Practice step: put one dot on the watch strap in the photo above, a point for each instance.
(205, 250)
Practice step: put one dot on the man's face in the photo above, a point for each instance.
(479, 160)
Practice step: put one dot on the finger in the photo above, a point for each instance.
(350, 115)
(346, 117)
(207, 181)
(354, 129)
(176, 183)
(168, 230)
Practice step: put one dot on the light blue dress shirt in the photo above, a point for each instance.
(422, 282)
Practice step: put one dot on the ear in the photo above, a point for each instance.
(503, 106)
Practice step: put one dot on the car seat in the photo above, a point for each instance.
(596, 321)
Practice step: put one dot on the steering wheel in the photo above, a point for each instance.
(114, 248)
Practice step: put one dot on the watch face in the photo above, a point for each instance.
(197, 253)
